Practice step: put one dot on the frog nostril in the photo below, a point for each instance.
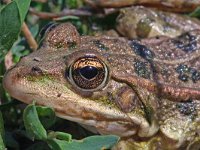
(36, 70)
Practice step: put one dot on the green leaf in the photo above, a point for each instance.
(89, 143)
(60, 135)
(32, 123)
(195, 13)
(10, 25)
(23, 6)
(2, 132)
(47, 116)
(2, 146)
(53, 144)
(72, 3)
(11, 19)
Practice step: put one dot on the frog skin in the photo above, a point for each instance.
(143, 22)
(169, 5)
(145, 90)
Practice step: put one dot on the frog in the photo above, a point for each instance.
(146, 91)
(143, 22)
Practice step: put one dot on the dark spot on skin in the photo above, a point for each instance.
(65, 56)
(186, 108)
(142, 70)
(195, 76)
(36, 70)
(142, 50)
(192, 70)
(186, 42)
(183, 77)
(99, 45)
(182, 69)
(71, 45)
(187, 73)
(58, 45)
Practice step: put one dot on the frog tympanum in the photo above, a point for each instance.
(146, 91)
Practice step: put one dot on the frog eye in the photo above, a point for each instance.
(88, 73)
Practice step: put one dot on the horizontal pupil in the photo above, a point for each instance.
(88, 72)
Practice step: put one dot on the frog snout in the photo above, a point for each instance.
(12, 78)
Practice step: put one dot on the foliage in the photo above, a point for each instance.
(195, 13)
(2, 146)
(11, 20)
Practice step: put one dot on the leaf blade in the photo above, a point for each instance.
(23, 6)
(89, 143)
(2, 132)
(10, 25)
(32, 123)
(11, 18)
